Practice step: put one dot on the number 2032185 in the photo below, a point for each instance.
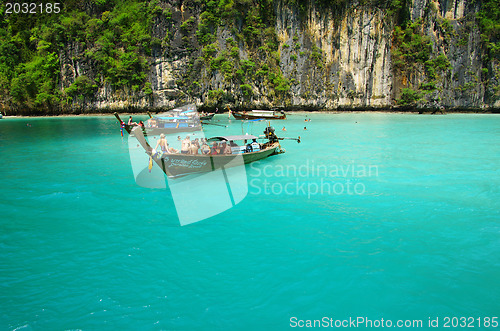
(32, 8)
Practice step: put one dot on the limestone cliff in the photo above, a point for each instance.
(341, 58)
(343, 54)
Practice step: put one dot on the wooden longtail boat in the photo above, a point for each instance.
(177, 165)
(207, 117)
(180, 119)
(157, 131)
(260, 114)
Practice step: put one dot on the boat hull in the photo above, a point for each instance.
(207, 117)
(177, 165)
(250, 116)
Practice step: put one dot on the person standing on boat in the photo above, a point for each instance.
(205, 149)
(195, 146)
(215, 149)
(186, 145)
(226, 148)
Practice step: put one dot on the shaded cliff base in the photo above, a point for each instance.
(30, 112)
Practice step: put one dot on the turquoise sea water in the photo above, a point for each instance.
(417, 235)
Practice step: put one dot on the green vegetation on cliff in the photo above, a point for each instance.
(252, 23)
(116, 39)
(229, 51)
(489, 23)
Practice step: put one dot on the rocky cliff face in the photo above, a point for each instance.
(454, 34)
(351, 56)
(352, 67)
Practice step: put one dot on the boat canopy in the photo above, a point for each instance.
(233, 138)
(171, 117)
(186, 109)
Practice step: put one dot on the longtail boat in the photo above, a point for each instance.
(260, 114)
(244, 149)
(216, 172)
(207, 117)
(180, 119)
